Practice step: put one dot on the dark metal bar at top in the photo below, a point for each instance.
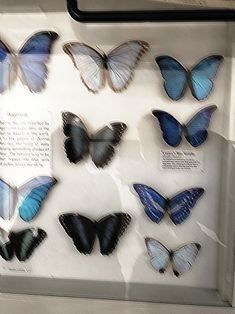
(147, 16)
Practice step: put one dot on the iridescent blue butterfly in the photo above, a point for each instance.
(181, 259)
(199, 78)
(116, 68)
(195, 130)
(31, 60)
(178, 207)
(26, 199)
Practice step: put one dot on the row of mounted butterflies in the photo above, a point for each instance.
(117, 67)
(27, 200)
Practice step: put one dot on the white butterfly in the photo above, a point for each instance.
(181, 258)
(116, 67)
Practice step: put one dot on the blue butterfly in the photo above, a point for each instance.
(178, 207)
(199, 78)
(195, 130)
(31, 60)
(26, 199)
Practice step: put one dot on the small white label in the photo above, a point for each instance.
(16, 269)
(183, 160)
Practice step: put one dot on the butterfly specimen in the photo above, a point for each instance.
(26, 199)
(83, 231)
(21, 244)
(195, 131)
(31, 60)
(199, 78)
(100, 145)
(178, 207)
(117, 67)
(181, 259)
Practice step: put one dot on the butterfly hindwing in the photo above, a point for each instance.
(180, 206)
(6, 249)
(171, 129)
(81, 230)
(202, 76)
(32, 194)
(196, 128)
(159, 254)
(104, 141)
(155, 204)
(174, 75)
(110, 229)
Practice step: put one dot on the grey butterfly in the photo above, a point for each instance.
(116, 67)
(100, 145)
(181, 259)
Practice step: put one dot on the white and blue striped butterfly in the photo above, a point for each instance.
(31, 60)
(25, 200)
(195, 131)
(181, 259)
(116, 68)
(199, 78)
(178, 207)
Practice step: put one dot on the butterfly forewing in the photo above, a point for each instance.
(159, 254)
(89, 62)
(77, 143)
(103, 142)
(184, 257)
(81, 230)
(122, 61)
(6, 58)
(6, 249)
(7, 200)
(110, 229)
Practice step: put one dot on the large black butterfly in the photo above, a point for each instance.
(21, 244)
(100, 145)
(83, 231)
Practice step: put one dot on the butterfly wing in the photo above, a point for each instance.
(184, 257)
(202, 76)
(154, 203)
(110, 229)
(33, 57)
(77, 144)
(196, 128)
(103, 143)
(90, 64)
(81, 230)
(32, 194)
(172, 130)
(122, 61)
(159, 254)
(7, 200)
(26, 241)
(174, 75)
(5, 66)
(6, 249)
(181, 205)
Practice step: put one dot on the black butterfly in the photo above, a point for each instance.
(100, 146)
(83, 231)
(22, 244)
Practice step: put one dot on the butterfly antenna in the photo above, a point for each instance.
(102, 52)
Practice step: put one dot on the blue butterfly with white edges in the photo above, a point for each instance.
(26, 199)
(31, 60)
(199, 78)
(195, 130)
(178, 207)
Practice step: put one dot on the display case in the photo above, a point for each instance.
(33, 145)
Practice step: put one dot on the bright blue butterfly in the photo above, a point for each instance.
(26, 199)
(199, 78)
(195, 130)
(31, 60)
(178, 207)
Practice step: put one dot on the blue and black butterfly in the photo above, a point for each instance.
(199, 78)
(31, 60)
(83, 231)
(195, 131)
(116, 68)
(101, 145)
(178, 207)
(21, 244)
(181, 259)
(25, 200)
